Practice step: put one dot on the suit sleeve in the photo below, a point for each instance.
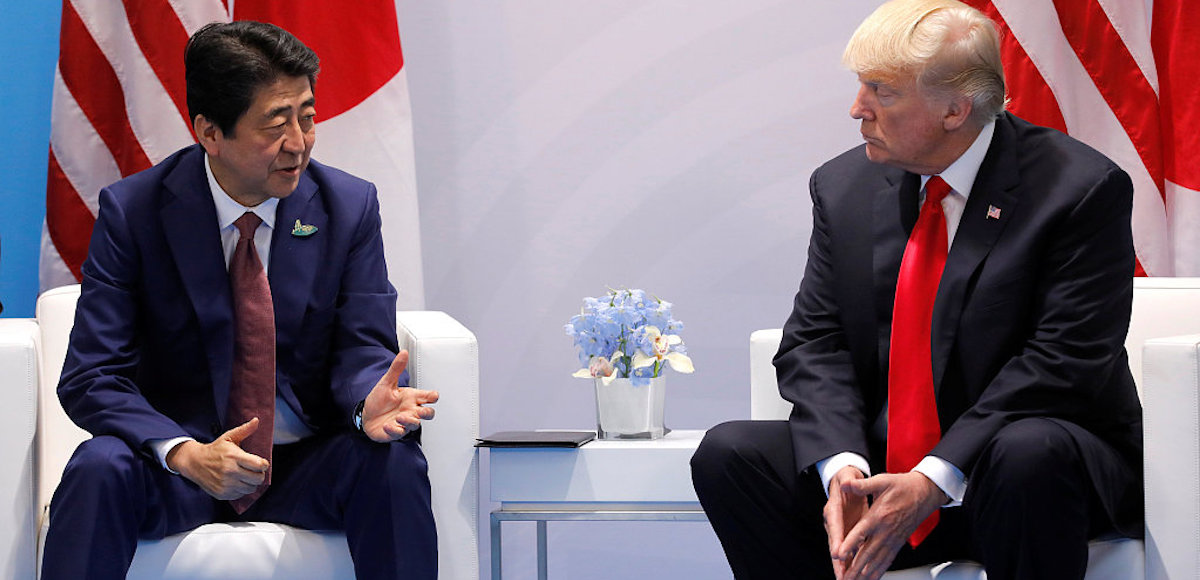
(97, 387)
(814, 366)
(1080, 316)
(364, 341)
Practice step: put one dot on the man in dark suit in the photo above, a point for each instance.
(160, 348)
(1014, 355)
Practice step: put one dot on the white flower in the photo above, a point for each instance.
(660, 348)
(600, 368)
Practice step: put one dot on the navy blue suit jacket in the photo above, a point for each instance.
(1030, 316)
(152, 347)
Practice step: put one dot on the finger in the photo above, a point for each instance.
(392, 376)
(872, 560)
(409, 425)
(241, 432)
(394, 431)
(425, 413)
(855, 538)
(426, 397)
(833, 523)
(839, 570)
(252, 463)
(868, 486)
(249, 478)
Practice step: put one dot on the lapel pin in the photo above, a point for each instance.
(304, 230)
(993, 213)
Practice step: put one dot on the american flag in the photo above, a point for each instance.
(1118, 75)
(119, 106)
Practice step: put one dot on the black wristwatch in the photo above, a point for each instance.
(358, 411)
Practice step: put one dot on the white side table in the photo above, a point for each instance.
(601, 481)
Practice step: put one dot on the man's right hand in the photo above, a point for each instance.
(842, 512)
(221, 468)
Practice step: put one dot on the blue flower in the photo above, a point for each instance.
(630, 331)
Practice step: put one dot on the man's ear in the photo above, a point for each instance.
(958, 112)
(208, 134)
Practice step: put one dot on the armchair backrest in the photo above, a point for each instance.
(1161, 307)
(57, 436)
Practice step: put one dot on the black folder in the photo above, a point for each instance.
(536, 439)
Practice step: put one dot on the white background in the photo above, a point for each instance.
(564, 147)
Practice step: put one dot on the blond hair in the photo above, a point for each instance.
(949, 48)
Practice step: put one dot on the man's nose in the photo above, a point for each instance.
(858, 109)
(293, 138)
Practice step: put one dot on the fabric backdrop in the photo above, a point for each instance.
(119, 106)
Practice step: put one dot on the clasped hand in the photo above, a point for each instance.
(864, 538)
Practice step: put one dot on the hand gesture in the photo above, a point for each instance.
(842, 512)
(901, 502)
(391, 412)
(221, 468)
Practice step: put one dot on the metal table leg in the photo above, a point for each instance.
(495, 547)
(541, 550)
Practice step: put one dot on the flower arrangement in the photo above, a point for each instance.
(626, 334)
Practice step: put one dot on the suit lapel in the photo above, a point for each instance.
(996, 186)
(189, 221)
(295, 260)
(894, 216)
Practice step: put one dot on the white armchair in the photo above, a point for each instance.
(444, 356)
(1168, 377)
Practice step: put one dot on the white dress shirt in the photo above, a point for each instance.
(960, 176)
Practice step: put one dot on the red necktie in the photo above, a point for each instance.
(252, 393)
(913, 427)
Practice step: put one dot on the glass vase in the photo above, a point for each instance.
(626, 411)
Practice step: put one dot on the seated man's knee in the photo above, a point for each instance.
(719, 446)
(1023, 452)
(103, 457)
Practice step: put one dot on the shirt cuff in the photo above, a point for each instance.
(946, 476)
(162, 447)
(829, 466)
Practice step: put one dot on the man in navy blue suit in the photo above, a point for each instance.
(1033, 442)
(149, 368)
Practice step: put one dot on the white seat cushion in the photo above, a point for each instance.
(244, 551)
(1111, 559)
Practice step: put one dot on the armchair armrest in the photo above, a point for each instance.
(18, 415)
(444, 356)
(1171, 412)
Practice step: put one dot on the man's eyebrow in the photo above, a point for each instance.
(284, 109)
(277, 111)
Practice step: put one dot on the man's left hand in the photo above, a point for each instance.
(901, 503)
(391, 412)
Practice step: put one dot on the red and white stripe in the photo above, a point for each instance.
(119, 106)
(1100, 70)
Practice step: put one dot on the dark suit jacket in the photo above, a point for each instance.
(1030, 316)
(152, 347)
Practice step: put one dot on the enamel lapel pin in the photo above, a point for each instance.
(304, 230)
(993, 213)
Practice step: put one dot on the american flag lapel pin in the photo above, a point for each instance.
(993, 212)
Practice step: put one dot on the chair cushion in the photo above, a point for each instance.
(244, 551)
(1108, 559)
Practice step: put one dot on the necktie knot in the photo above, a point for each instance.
(247, 224)
(936, 189)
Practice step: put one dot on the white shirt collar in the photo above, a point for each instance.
(960, 175)
(229, 210)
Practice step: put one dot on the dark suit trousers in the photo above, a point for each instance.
(1028, 513)
(378, 494)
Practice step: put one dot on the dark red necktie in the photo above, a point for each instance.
(913, 427)
(252, 393)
